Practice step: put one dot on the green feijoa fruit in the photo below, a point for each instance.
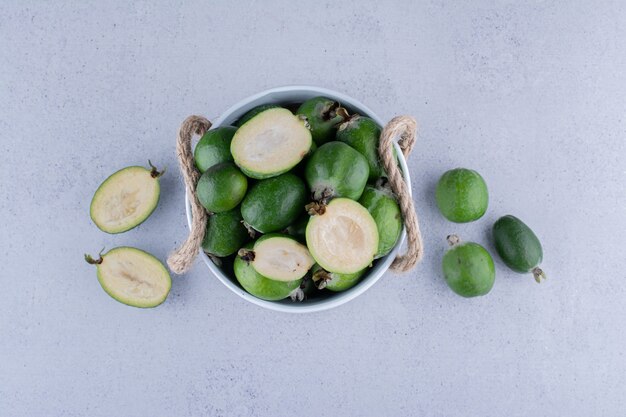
(323, 115)
(468, 268)
(132, 276)
(518, 246)
(271, 143)
(336, 170)
(225, 233)
(462, 195)
(255, 111)
(382, 205)
(272, 204)
(214, 147)
(221, 188)
(334, 281)
(297, 229)
(278, 257)
(126, 199)
(342, 238)
(260, 286)
(363, 134)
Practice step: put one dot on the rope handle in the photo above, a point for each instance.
(402, 127)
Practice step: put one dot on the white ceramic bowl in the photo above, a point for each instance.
(289, 95)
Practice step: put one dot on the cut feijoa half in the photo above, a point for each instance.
(278, 257)
(271, 143)
(132, 276)
(126, 199)
(344, 238)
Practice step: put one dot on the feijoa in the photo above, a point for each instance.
(221, 187)
(336, 170)
(271, 143)
(518, 246)
(125, 199)
(382, 205)
(214, 147)
(363, 134)
(225, 233)
(132, 276)
(334, 281)
(272, 204)
(278, 257)
(323, 115)
(260, 286)
(256, 110)
(462, 195)
(297, 229)
(343, 237)
(468, 268)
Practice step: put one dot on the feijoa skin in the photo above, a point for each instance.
(214, 148)
(385, 210)
(251, 113)
(518, 246)
(297, 229)
(273, 204)
(468, 268)
(221, 188)
(333, 281)
(225, 233)
(323, 115)
(363, 134)
(462, 195)
(336, 170)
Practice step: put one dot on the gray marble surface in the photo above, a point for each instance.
(531, 94)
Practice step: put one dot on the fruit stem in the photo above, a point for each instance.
(322, 276)
(315, 209)
(154, 173)
(93, 261)
(453, 240)
(246, 254)
(305, 121)
(342, 112)
(297, 294)
(539, 275)
(250, 229)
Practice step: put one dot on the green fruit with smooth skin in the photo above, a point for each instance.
(225, 233)
(214, 148)
(274, 203)
(323, 115)
(260, 286)
(221, 188)
(255, 111)
(383, 207)
(132, 276)
(468, 268)
(363, 134)
(462, 195)
(333, 281)
(297, 229)
(518, 246)
(336, 170)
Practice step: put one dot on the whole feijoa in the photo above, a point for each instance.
(518, 246)
(468, 268)
(462, 195)
(323, 115)
(334, 281)
(221, 187)
(214, 147)
(363, 134)
(382, 205)
(225, 233)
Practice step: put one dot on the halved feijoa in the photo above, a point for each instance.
(221, 187)
(214, 147)
(518, 246)
(468, 268)
(271, 143)
(343, 238)
(260, 286)
(323, 115)
(132, 276)
(382, 205)
(336, 170)
(126, 199)
(253, 112)
(334, 281)
(225, 233)
(272, 204)
(279, 257)
(363, 134)
(462, 195)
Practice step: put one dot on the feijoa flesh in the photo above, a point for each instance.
(382, 205)
(271, 143)
(323, 115)
(274, 203)
(363, 134)
(132, 276)
(462, 195)
(468, 268)
(221, 188)
(225, 233)
(126, 199)
(334, 281)
(518, 246)
(214, 148)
